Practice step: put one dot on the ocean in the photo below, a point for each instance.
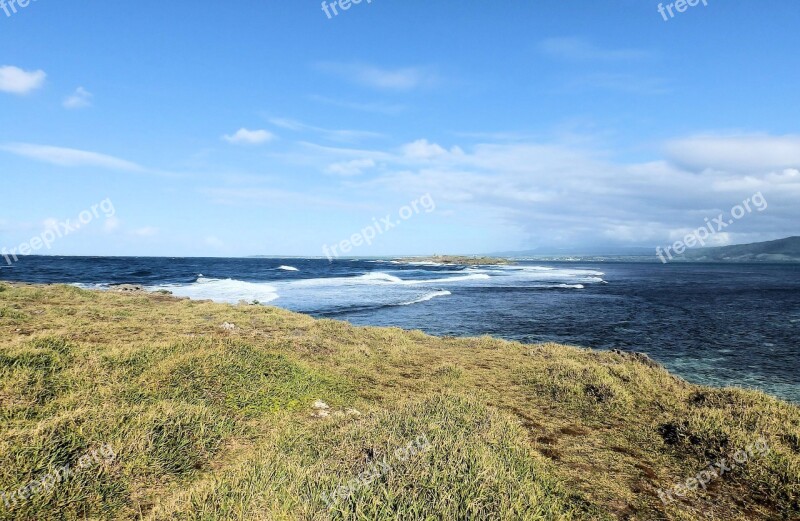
(713, 324)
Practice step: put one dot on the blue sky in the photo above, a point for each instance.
(265, 127)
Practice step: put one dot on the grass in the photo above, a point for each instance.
(208, 423)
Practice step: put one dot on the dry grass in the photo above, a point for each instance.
(215, 424)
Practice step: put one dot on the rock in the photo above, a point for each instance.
(644, 359)
(637, 357)
(228, 326)
(320, 414)
(126, 288)
(320, 405)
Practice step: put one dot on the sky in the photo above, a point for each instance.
(272, 128)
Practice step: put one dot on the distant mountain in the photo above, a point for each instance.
(578, 252)
(781, 250)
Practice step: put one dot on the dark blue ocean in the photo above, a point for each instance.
(733, 324)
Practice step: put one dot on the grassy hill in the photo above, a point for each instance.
(141, 406)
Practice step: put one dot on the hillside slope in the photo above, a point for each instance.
(781, 250)
(147, 407)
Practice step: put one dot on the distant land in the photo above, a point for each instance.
(457, 260)
(781, 250)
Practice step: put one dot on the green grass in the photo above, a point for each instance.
(209, 424)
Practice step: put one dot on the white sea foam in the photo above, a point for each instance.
(425, 298)
(380, 288)
(378, 277)
(381, 278)
(385, 278)
(223, 290)
(449, 280)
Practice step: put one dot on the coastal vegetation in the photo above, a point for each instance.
(249, 412)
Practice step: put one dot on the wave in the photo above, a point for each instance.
(223, 290)
(472, 276)
(524, 268)
(378, 276)
(370, 289)
(89, 285)
(425, 298)
(355, 307)
(547, 270)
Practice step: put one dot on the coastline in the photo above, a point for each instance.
(603, 432)
(456, 260)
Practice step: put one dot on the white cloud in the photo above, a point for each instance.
(753, 152)
(17, 81)
(541, 192)
(274, 197)
(51, 223)
(421, 149)
(111, 223)
(244, 136)
(401, 79)
(289, 124)
(350, 168)
(567, 194)
(378, 107)
(622, 82)
(333, 135)
(577, 49)
(79, 99)
(214, 242)
(70, 157)
(147, 231)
